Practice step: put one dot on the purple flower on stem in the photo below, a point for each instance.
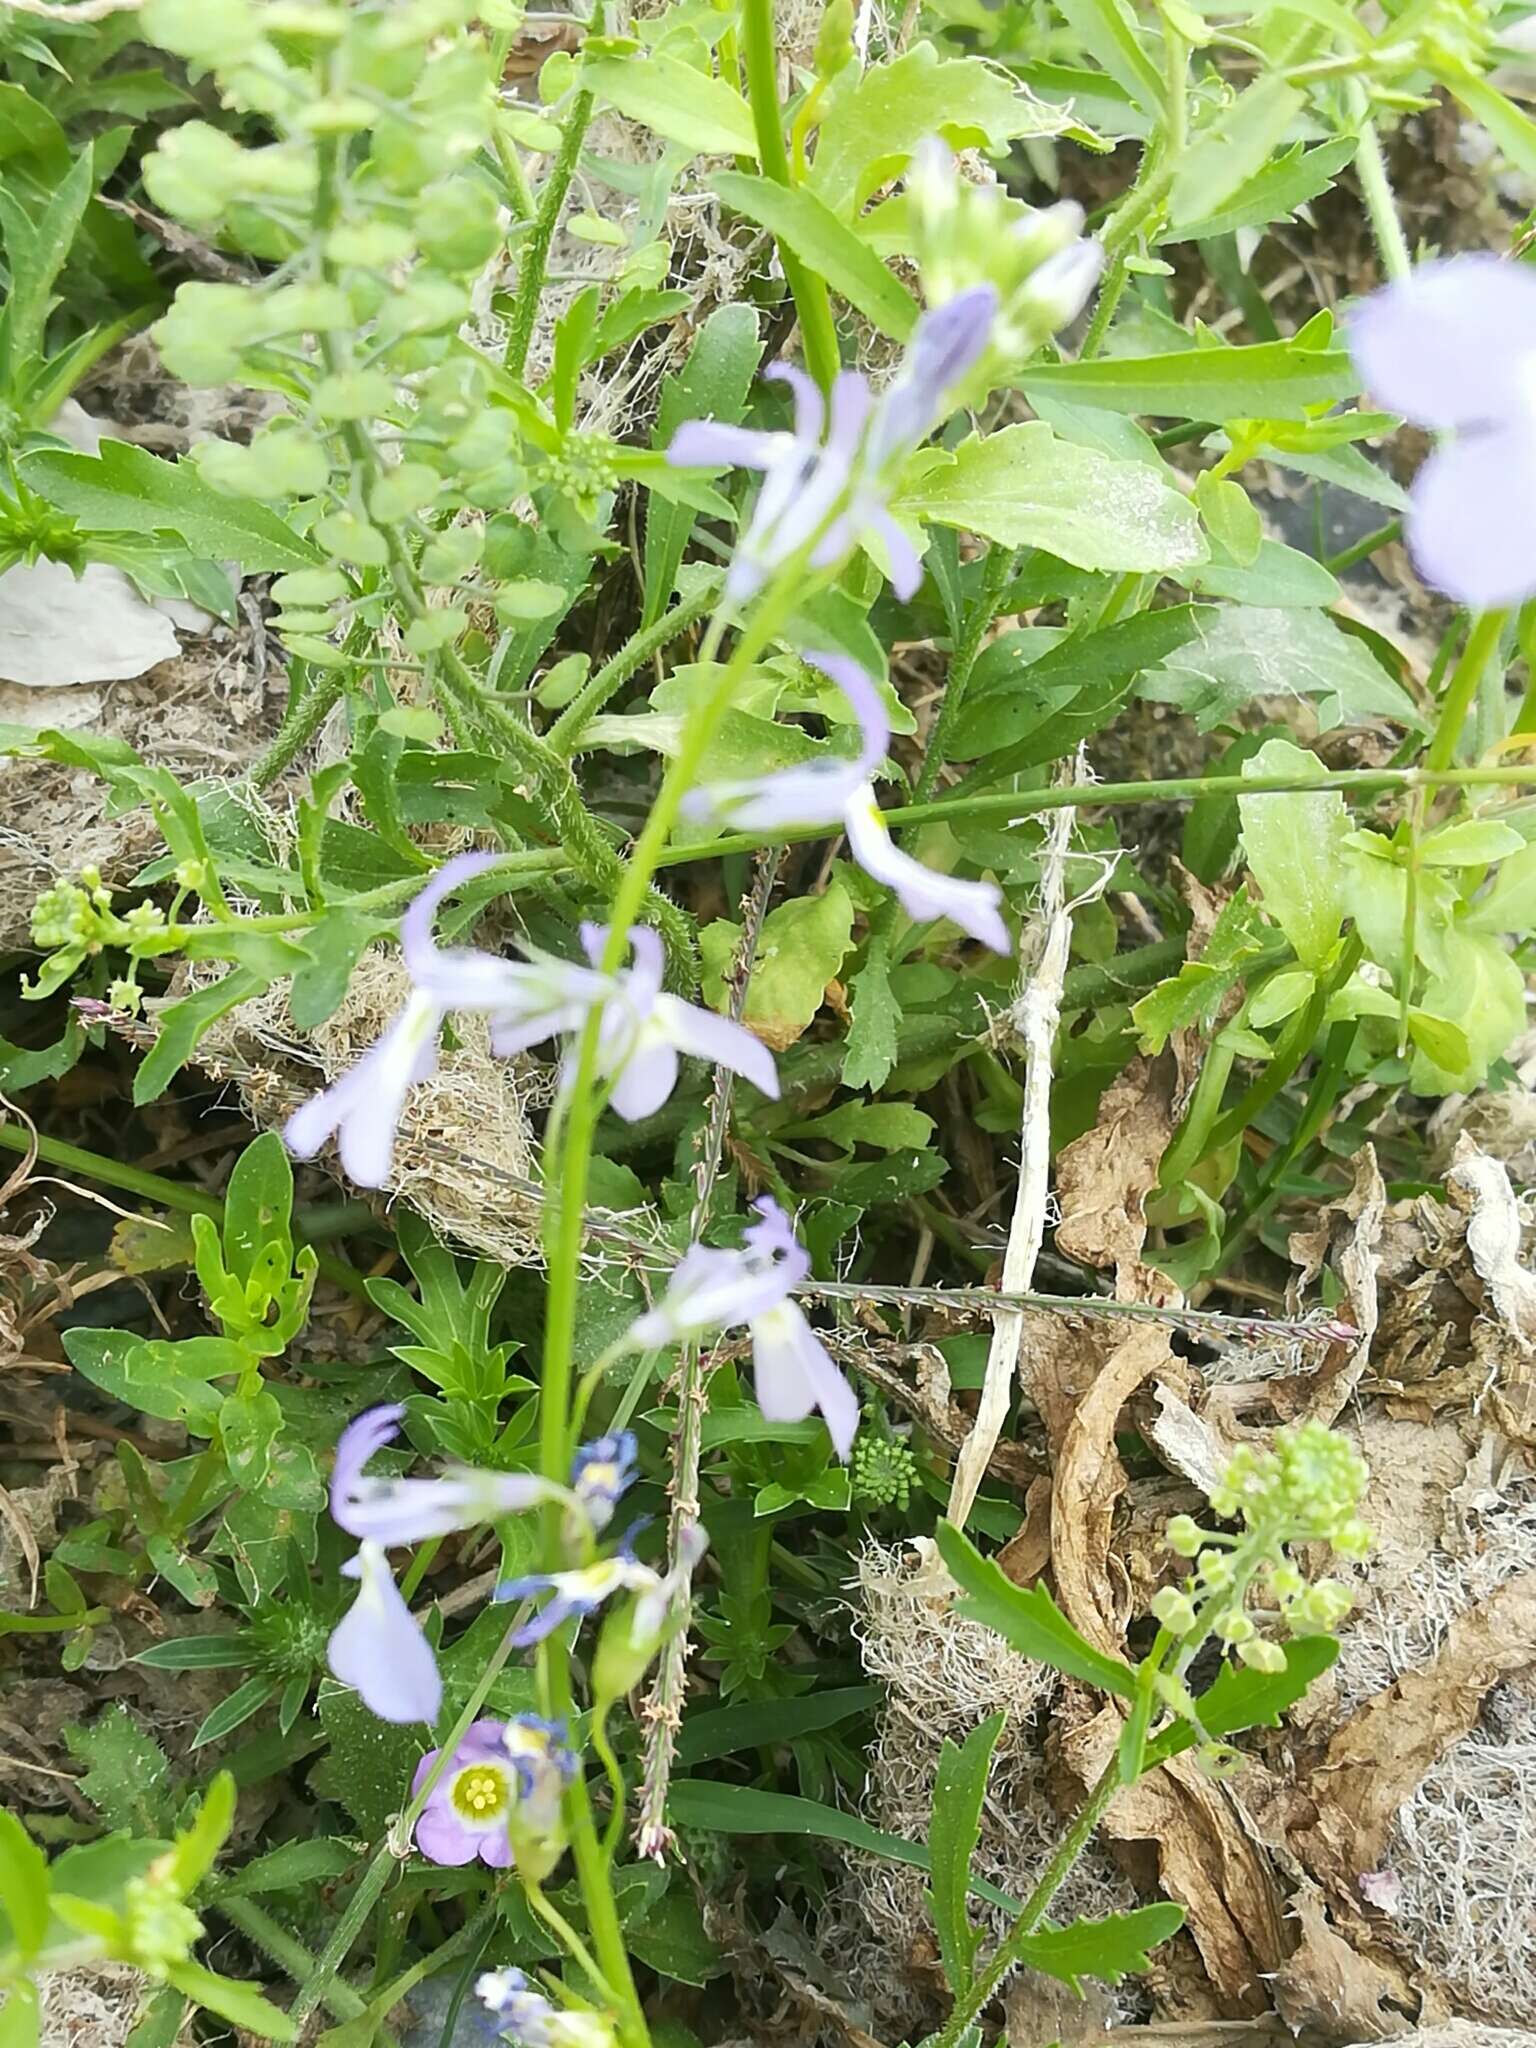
(600, 1474)
(469, 1808)
(1451, 348)
(378, 1647)
(792, 1371)
(832, 792)
(527, 1001)
(644, 1029)
(827, 480)
(581, 1592)
(524, 2016)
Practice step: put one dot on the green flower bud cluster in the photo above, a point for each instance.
(964, 235)
(159, 1928)
(1307, 1488)
(74, 921)
(371, 207)
(882, 1471)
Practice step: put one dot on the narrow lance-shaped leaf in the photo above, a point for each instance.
(953, 1832)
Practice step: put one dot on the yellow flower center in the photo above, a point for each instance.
(481, 1793)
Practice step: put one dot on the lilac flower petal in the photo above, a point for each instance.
(815, 793)
(513, 1034)
(945, 345)
(772, 1237)
(1063, 284)
(852, 403)
(545, 1622)
(645, 1078)
(711, 444)
(496, 1849)
(792, 1375)
(441, 1838)
(706, 1036)
(363, 1107)
(1450, 346)
(922, 891)
(363, 1436)
(906, 564)
(416, 926)
(1472, 517)
(810, 409)
(868, 706)
(378, 1649)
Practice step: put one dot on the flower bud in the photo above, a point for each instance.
(1175, 1610)
(1184, 1536)
(1260, 1654)
(1234, 1626)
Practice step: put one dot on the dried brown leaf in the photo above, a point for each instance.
(1104, 1177)
(1324, 1983)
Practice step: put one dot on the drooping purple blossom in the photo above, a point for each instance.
(644, 1029)
(1451, 348)
(601, 1472)
(378, 1648)
(526, 2018)
(826, 482)
(792, 1372)
(833, 792)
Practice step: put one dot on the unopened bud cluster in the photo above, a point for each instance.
(1307, 1488)
(881, 1472)
(1037, 259)
(73, 922)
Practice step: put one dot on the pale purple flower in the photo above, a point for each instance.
(527, 1002)
(525, 2017)
(378, 1647)
(644, 1029)
(580, 1592)
(825, 483)
(390, 1511)
(1453, 348)
(468, 1809)
(601, 1472)
(633, 1634)
(792, 1371)
(842, 792)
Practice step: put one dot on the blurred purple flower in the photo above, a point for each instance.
(580, 1591)
(601, 1472)
(378, 1647)
(828, 479)
(793, 1373)
(644, 1029)
(527, 1001)
(1451, 348)
(468, 1809)
(831, 792)
(389, 1511)
(523, 2014)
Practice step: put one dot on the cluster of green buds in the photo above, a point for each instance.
(881, 1471)
(73, 922)
(1305, 1489)
(378, 206)
(1036, 259)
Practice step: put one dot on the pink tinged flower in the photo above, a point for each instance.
(644, 1029)
(390, 1511)
(378, 1647)
(469, 1809)
(1453, 348)
(827, 793)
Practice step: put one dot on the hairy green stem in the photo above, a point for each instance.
(1376, 190)
(290, 1955)
(567, 729)
(552, 195)
(303, 716)
(759, 51)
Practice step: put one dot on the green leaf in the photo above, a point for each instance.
(1026, 487)
(668, 1935)
(125, 488)
(794, 216)
(196, 1653)
(368, 1762)
(954, 1829)
(23, 1885)
(1286, 182)
(128, 1779)
(1509, 905)
(1294, 842)
(744, 1810)
(1482, 991)
(1469, 843)
(673, 99)
(763, 1724)
(238, 1708)
(258, 1207)
(873, 118)
(241, 2004)
(1234, 149)
(181, 1025)
(1028, 1619)
(20, 2016)
(289, 1868)
(1269, 380)
(37, 246)
(1112, 1948)
(1242, 651)
(1513, 130)
(1107, 31)
(870, 1053)
(801, 948)
(1278, 579)
(712, 384)
(192, 1854)
(168, 1380)
(1238, 1698)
